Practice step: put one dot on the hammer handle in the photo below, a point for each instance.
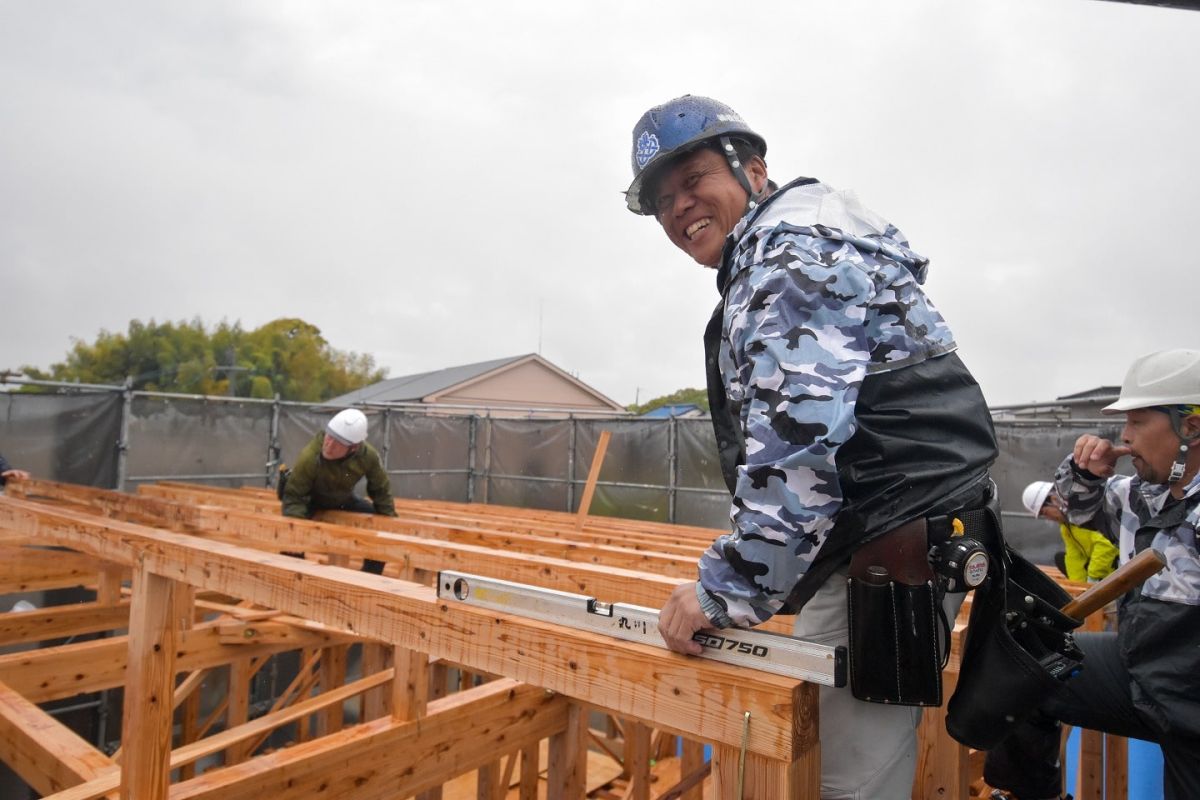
(1132, 573)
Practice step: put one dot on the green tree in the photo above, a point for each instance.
(697, 396)
(288, 356)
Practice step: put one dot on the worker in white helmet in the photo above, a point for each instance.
(1088, 555)
(328, 469)
(1143, 680)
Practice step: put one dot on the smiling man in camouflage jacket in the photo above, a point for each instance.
(840, 407)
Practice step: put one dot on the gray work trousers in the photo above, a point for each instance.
(868, 750)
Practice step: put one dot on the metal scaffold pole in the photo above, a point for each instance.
(472, 432)
(672, 465)
(387, 436)
(571, 464)
(123, 440)
(273, 450)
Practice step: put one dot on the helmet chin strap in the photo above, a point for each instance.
(739, 172)
(1180, 464)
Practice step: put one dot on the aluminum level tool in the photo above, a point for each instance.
(769, 652)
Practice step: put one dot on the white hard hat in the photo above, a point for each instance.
(1167, 378)
(1034, 496)
(349, 427)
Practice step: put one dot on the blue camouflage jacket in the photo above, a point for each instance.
(839, 405)
(1159, 625)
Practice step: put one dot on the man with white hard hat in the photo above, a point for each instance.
(328, 469)
(1089, 556)
(1143, 680)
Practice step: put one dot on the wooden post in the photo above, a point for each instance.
(108, 590)
(189, 709)
(410, 686)
(1116, 767)
(238, 711)
(149, 687)
(487, 783)
(942, 763)
(530, 769)
(410, 694)
(691, 760)
(769, 779)
(637, 759)
(333, 675)
(1089, 783)
(593, 474)
(376, 703)
(567, 775)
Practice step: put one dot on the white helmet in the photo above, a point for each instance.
(1167, 378)
(1034, 496)
(349, 427)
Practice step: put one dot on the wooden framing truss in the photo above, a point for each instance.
(395, 694)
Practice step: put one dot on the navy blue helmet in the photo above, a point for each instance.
(675, 128)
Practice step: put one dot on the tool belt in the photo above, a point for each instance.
(899, 636)
(1018, 648)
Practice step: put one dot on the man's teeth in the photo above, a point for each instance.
(695, 226)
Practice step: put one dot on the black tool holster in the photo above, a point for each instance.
(1018, 646)
(894, 623)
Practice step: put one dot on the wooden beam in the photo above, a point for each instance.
(27, 569)
(684, 695)
(108, 503)
(55, 673)
(589, 488)
(230, 738)
(45, 753)
(290, 532)
(386, 759)
(149, 687)
(593, 571)
(56, 622)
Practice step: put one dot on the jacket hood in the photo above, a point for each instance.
(811, 204)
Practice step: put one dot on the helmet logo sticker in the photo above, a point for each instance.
(647, 146)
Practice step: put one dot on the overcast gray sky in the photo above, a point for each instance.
(438, 183)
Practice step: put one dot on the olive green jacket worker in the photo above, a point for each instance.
(316, 483)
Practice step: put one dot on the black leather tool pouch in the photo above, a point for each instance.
(894, 642)
(1018, 651)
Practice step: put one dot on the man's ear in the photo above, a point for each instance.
(756, 171)
(1191, 426)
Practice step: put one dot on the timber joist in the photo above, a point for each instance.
(211, 592)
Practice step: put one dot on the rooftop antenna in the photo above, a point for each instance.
(541, 304)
